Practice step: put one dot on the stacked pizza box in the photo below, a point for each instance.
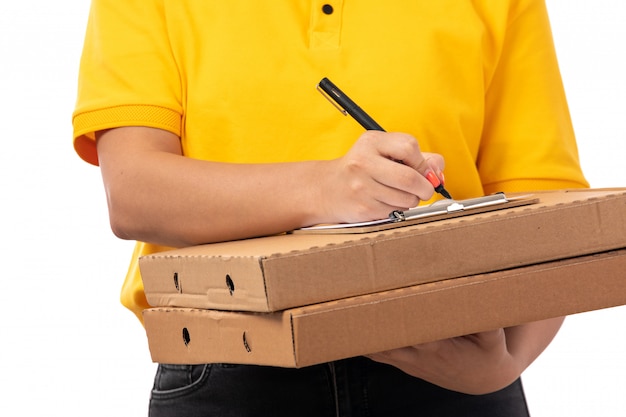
(324, 294)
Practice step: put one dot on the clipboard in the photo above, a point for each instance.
(439, 210)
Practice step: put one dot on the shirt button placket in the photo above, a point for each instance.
(326, 24)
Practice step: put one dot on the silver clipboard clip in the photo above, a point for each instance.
(447, 206)
(439, 210)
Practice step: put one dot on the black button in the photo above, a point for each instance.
(327, 9)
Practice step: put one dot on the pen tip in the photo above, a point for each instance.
(443, 192)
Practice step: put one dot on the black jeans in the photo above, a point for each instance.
(349, 388)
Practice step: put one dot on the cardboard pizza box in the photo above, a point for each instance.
(279, 272)
(385, 320)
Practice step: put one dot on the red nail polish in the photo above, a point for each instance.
(432, 178)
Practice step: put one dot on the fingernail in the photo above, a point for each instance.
(432, 178)
(443, 178)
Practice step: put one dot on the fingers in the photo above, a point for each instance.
(430, 162)
(370, 188)
(473, 364)
(405, 148)
(488, 339)
(401, 147)
(382, 172)
(401, 355)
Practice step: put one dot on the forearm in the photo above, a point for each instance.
(158, 196)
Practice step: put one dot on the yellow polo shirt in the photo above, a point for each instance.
(474, 80)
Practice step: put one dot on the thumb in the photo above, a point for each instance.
(431, 167)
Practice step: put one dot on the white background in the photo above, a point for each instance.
(69, 348)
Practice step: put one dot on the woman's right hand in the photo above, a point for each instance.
(369, 181)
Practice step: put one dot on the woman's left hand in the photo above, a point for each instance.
(478, 363)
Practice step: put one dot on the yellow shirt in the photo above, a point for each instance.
(474, 80)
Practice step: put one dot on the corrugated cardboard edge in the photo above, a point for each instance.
(172, 274)
(189, 336)
(376, 322)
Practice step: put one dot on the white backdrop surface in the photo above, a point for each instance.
(69, 348)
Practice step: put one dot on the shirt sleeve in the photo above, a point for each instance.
(128, 75)
(528, 140)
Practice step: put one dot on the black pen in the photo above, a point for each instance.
(346, 106)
